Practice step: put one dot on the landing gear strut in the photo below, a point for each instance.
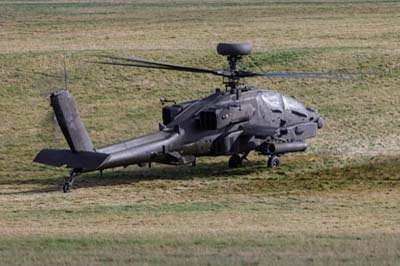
(274, 162)
(69, 180)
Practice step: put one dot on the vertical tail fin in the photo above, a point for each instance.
(70, 122)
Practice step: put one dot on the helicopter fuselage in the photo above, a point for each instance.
(232, 122)
(222, 124)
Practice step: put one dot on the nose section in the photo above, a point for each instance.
(320, 122)
(316, 117)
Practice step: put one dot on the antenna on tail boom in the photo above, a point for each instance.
(65, 75)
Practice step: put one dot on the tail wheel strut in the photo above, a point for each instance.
(69, 181)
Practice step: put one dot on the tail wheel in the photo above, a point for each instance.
(235, 161)
(69, 180)
(67, 188)
(274, 162)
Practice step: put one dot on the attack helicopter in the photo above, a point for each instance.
(231, 122)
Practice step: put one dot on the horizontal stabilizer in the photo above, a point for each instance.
(82, 160)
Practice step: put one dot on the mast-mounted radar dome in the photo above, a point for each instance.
(234, 48)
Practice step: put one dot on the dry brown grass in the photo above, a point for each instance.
(164, 25)
(91, 211)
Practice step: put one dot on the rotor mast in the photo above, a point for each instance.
(234, 52)
(233, 79)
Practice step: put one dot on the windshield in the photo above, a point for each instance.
(293, 105)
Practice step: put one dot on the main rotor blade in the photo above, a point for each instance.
(309, 75)
(145, 63)
(330, 73)
(161, 64)
(185, 69)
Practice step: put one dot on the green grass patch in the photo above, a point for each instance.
(275, 249)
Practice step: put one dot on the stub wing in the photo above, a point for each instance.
(81, 160)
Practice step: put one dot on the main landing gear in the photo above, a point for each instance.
(69, 180)
(236, 160)
(274, 162)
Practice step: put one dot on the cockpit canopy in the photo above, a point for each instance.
(280, 103)
(273, 100)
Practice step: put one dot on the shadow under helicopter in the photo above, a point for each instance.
(376, 171)
(120, 176)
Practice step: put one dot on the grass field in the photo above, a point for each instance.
(336, 204)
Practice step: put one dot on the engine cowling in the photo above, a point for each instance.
(170, 112)
(220, 117)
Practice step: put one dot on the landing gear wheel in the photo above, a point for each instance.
(67, 188)
(235, 161)
(69, 180)
(274, 162)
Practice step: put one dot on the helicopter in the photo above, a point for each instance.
(231, 122)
